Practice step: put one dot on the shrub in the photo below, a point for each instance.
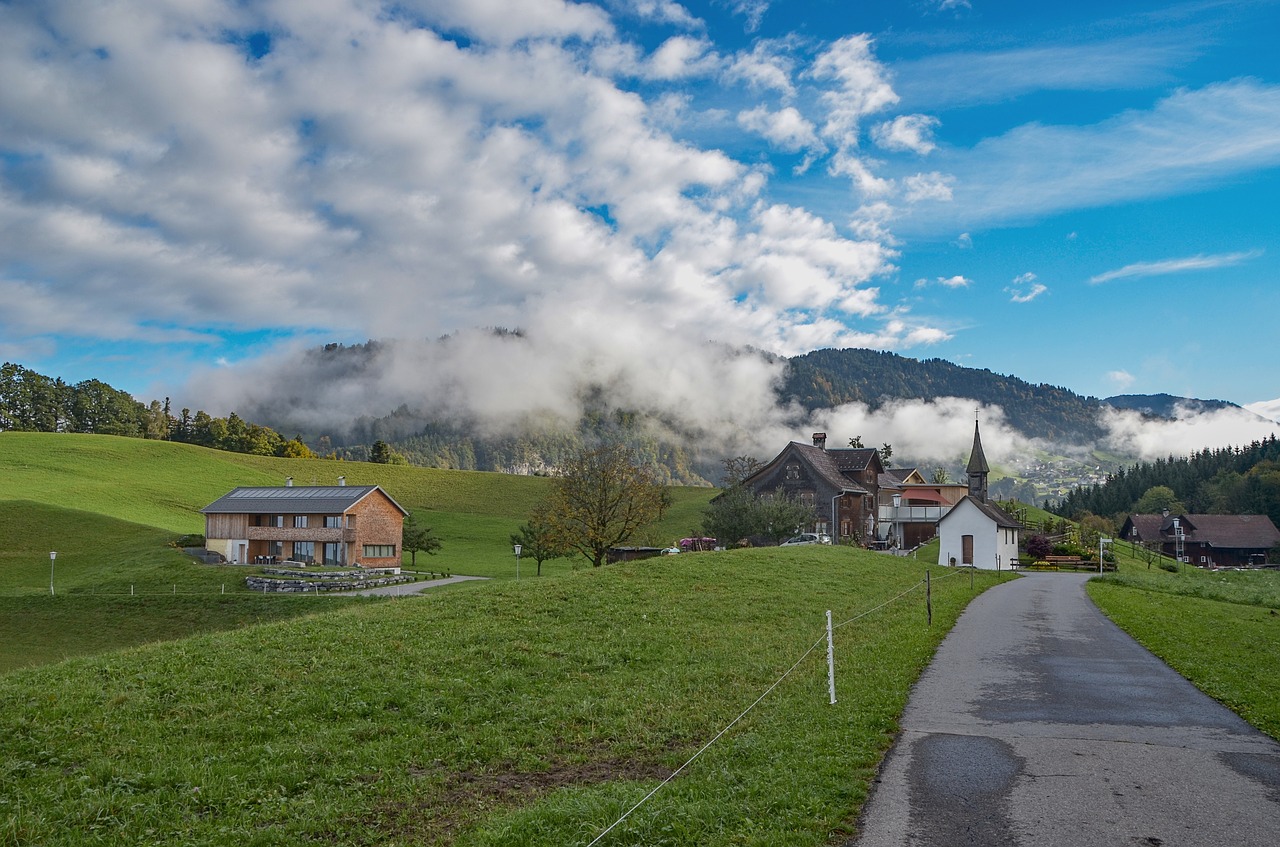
(1039, 546)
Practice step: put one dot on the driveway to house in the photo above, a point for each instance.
(405, 589)
(1039, 722)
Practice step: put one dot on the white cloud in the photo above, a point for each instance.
(909, 133)
(956, 281)
(766, 68)
(364, 167)
(1170, 266)
(1025, 288)
(665, 11)
(786, 129)
(1129, 433)
(1121, 379)
(752, 10)
(964, 241)
(861, 88)
(681, 56)
(1269, 409)
(930, 186)
(1184, 141)
(966, 78)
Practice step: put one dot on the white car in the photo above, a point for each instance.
(806, 538)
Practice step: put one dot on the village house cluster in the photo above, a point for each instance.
(857, 500)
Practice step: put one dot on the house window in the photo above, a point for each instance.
(333, 521)
(793, 472)
(335, 554)
(276, 520)
(304, 551)
(966, 549)
(379, 551)
(300, 521)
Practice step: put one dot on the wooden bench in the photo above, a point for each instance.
(1074, 563)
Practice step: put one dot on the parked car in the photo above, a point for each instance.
(806, 538)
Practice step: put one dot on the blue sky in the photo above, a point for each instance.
(1082, 194)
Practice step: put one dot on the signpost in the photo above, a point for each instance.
(52, 555)
(517, 549)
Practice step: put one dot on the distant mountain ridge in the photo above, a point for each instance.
(1166, 405)
(827, 378)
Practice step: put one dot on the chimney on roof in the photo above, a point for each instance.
(288, 482)
(820, 440)
(342, 480)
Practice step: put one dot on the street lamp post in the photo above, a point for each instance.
(517, 549)
(52, 555)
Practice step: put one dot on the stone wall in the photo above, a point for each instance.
(318, 583)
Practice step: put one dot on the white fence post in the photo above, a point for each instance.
(831, 661)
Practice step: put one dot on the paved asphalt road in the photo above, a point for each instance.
(1040, 722)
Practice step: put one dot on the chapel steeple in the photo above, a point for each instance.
(978, 469)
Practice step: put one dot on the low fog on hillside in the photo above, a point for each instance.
(717, 400)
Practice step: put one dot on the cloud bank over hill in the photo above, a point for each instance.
(717, 400)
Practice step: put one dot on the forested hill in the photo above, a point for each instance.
(1231, 480)
(826, 378)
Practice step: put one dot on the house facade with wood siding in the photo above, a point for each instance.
(1206, 540)
(335, 525)
(839, 484)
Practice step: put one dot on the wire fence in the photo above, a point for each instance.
(922, 584)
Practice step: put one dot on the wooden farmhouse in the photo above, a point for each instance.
(336, 525)
(841, 485)
(1210, 541)
(975, 532)
(856, 499)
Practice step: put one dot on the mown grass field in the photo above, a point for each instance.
(520, 713)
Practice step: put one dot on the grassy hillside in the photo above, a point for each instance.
(117, 585)
(163, 485)
(111, 507)
(517, 713)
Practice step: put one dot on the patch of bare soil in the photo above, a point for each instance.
(457, 799)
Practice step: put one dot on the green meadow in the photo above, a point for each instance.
(531, 712)
(151, 700)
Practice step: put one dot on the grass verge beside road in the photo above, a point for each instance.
(1219, 629)
(530, 713)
